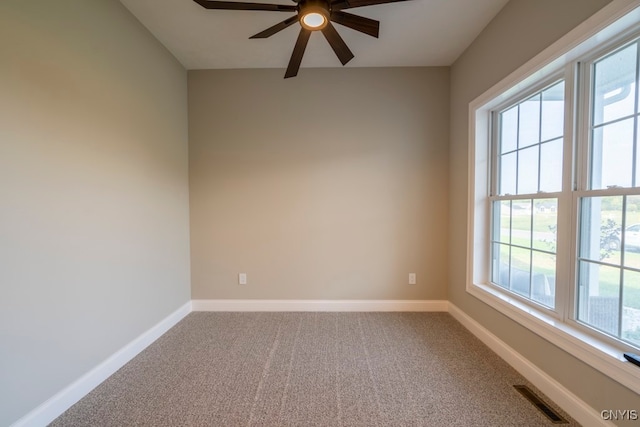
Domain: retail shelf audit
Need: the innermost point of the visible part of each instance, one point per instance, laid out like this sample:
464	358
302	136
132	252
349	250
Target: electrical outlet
242	278
412	278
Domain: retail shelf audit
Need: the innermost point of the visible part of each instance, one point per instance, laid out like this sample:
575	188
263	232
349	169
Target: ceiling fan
313	15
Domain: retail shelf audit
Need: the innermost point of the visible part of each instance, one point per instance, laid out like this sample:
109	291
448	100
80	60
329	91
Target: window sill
598	354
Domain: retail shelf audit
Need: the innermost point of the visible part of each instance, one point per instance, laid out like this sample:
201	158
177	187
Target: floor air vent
538	403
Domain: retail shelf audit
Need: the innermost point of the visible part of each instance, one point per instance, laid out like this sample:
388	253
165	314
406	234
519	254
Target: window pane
509	130
503	211
508	173
613	95
612	155
501	259
520	261
599	296
528	170
631	249
636	183
545	223
551	166
529	129
552	112
521	223
631	307
600	222
632	233
495	263
544	278
637	87
520	270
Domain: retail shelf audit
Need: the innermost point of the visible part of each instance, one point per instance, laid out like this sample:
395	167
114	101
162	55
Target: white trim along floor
63	400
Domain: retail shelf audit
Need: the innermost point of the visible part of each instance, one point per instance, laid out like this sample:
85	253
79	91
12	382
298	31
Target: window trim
612	24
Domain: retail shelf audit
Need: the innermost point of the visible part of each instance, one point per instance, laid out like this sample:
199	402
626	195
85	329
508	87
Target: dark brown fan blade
278	27
337	44
298	52
233	5
348	4
358	23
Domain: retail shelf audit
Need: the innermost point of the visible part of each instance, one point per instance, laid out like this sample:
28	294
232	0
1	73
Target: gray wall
332	185
94	232
520	31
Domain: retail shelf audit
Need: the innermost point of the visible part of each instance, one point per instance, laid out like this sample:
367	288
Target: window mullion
635	119
579	132
622	263
518	151
539	145
533	196
584	167
565	248
584	119
494	156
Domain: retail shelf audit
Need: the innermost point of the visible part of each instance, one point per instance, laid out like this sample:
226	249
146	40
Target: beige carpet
311	369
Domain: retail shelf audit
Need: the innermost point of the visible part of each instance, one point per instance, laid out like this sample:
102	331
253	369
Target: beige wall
94	242
520	31
331	185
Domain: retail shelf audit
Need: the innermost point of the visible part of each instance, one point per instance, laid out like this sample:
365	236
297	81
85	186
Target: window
527	154
608	291
554	220
527	161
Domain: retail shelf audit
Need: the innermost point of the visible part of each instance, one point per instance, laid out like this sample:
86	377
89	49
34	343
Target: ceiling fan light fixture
313	14
314	21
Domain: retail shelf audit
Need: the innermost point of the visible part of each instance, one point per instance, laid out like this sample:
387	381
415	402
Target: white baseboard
63	400
574	406
67	397
319	305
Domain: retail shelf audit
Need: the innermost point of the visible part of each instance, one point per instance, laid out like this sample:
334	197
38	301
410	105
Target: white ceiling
412	33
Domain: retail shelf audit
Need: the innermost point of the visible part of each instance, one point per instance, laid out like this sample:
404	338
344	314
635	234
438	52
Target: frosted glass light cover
313	20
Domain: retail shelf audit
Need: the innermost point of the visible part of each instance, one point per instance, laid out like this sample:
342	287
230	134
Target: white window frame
609	26
561	196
